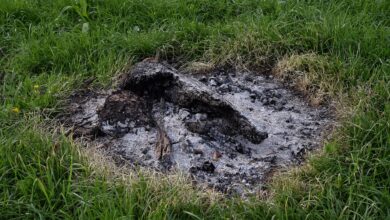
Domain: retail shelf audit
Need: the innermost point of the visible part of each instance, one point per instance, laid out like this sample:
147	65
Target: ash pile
228	129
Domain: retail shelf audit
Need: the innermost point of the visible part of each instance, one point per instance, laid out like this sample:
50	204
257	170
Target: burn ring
227	130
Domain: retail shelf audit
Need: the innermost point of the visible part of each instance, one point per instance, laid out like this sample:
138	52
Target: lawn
334	52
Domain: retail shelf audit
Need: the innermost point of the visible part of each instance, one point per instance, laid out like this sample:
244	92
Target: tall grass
45	52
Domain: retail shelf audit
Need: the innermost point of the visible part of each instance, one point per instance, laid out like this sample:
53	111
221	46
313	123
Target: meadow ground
329	50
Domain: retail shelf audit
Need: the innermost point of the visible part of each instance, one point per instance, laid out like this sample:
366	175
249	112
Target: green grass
47	48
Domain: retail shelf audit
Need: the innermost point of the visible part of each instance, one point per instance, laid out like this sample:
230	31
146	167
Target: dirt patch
226	129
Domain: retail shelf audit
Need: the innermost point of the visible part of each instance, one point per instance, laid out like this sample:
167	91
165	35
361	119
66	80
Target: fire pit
227	129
